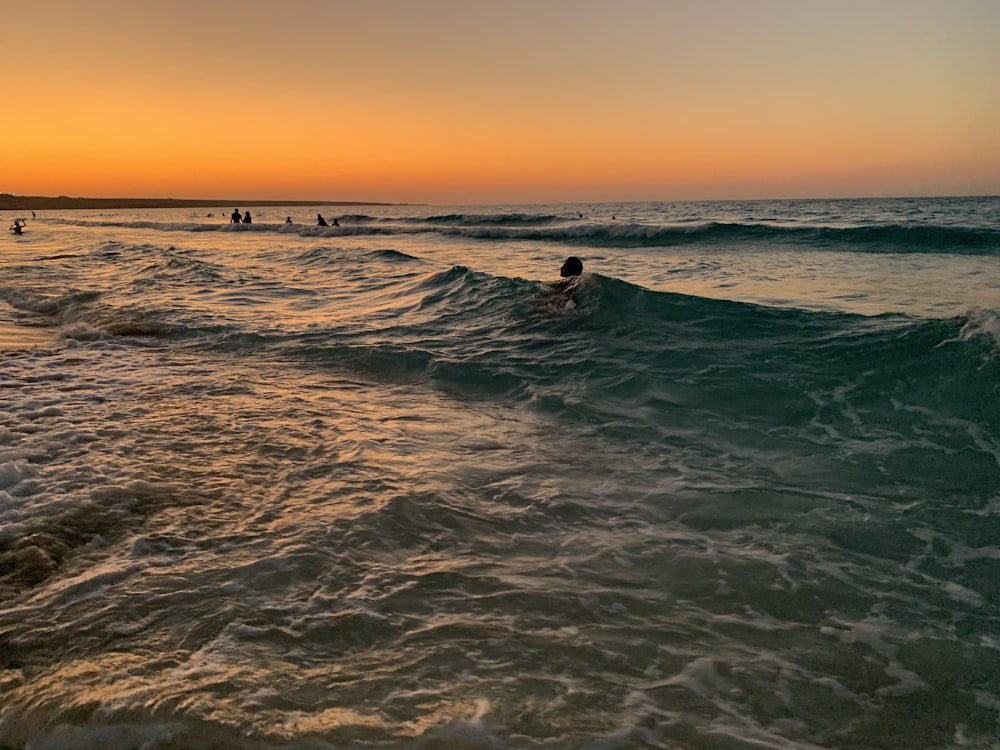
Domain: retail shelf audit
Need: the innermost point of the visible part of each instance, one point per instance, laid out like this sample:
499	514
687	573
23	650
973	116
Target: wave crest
896	238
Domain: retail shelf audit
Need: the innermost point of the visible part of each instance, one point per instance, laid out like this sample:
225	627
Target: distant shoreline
40	203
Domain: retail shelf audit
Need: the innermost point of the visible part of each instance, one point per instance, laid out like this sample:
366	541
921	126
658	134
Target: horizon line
18	202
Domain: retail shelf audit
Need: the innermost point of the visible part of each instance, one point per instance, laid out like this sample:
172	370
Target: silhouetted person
573	266
336	223
288	220
247	218
17	227
32	214
235	218
320	221
570	272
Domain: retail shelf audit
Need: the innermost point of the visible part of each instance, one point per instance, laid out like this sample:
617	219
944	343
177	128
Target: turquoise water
379	485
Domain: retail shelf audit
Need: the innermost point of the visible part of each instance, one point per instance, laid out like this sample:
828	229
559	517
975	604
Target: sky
521	101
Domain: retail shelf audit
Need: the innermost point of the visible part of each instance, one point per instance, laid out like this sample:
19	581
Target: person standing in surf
235	218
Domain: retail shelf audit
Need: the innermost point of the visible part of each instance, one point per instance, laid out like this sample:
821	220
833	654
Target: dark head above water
572	267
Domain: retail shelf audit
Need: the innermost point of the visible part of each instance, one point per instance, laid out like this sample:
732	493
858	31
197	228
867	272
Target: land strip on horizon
10	202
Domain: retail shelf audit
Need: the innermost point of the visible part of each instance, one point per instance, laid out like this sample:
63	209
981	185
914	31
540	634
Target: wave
607	343
886	238
322	255
514	219
615	348
86	316
894	238
29	301
457	219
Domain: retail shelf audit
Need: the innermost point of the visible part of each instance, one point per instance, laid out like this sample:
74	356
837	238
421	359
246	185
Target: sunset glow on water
382	485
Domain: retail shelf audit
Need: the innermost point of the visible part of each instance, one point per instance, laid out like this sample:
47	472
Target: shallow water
378	486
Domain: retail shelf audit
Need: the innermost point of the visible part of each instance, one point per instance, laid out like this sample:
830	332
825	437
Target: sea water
382	485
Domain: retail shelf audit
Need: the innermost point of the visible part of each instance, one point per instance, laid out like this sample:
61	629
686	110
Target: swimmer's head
572	267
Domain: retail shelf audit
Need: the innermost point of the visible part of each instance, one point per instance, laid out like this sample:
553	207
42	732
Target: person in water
17	227
247	218
570	272
288	219
336	223
572	267
235	217
320	221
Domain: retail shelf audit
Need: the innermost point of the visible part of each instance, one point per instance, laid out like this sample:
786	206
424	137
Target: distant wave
896	238
301	230
516	219
887	238
459	219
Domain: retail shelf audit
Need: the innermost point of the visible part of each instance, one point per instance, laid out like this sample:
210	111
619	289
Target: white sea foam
981	322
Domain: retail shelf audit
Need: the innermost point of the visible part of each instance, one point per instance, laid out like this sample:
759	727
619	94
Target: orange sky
441	101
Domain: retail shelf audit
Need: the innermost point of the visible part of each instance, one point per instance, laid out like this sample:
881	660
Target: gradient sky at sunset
441	101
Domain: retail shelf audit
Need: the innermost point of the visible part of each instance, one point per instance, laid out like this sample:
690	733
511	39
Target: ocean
385	485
